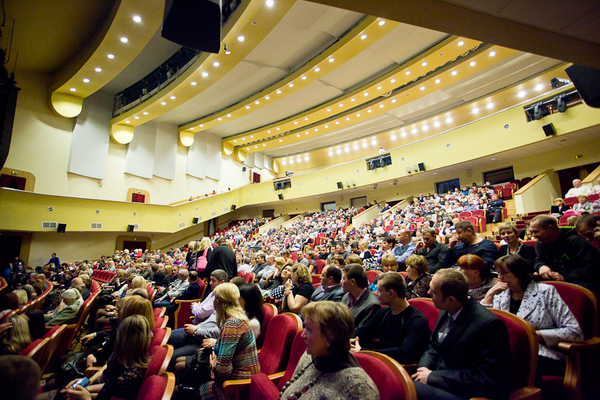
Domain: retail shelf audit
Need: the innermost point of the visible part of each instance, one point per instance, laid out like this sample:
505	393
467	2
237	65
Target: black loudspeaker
130	228
280	196
421	166
340	185
587	83
194	221
8	102
233	206
549	129
61	228
243	169
193	23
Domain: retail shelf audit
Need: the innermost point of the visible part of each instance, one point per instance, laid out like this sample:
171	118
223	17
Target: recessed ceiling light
366	93
234	141
229	115
269	131
326	126
298	135
472	63
415	131
85	80
448	120
163	103
306	158
127	121
382	22
145	113
275	129
369	110
338	151
278	92
539	87
256	147
111	56
317	69
306	133
283	162
353	99
201	125
407	73
216	64
476	111
355	147
490	106
247	148
330	153
437	81
191	129
425	128
374	142
331	59
341	105
454	72
173	97
381	106
492	53
461	43
363	37
423	88
205	74
269	3
347	118
280	140
257	102
241	38
98	69
379	87
291	85
306	118
124	39
73	89
136	117
358	115
347	149
393	80
304	77
329	110
337	122
393	137
243	138
436	124
193	83
247	107
403	134
365	145
316	129
521	94
264	144
393	100
219	119
137	18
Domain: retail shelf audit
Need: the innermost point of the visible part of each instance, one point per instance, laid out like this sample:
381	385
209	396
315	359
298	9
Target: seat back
298	348
320	265
464	214
372	275
569	201
249	277
184	310
160	336
157	387
582	303
524	347
270	312
55	335
161	357
274	354
428	309
37	350
391	378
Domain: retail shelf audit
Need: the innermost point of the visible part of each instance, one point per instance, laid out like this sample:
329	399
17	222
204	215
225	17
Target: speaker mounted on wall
130	228
340	185
421	166
193	23
549	129
61	228
195	220
280	196
233	207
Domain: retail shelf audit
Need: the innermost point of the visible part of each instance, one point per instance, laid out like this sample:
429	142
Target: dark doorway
138	198
255	177
269	213
13	182
10	247
131	245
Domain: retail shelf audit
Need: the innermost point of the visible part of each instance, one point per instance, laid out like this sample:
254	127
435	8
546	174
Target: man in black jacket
494	210
222	257
433	251
469	352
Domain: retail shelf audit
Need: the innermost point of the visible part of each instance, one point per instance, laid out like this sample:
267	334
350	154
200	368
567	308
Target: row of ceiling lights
204	74
110	56
393	136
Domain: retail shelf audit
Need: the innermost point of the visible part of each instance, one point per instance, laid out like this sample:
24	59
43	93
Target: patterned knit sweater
349	383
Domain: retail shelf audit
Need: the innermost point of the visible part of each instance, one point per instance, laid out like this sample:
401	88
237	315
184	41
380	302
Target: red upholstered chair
241	273
320	265
270	312
262	386
428	309
392	380
37	350
593	197
464	214
273	357
316	280
160	336
184	312
403	273
524	347
249	277
562	221
161	356
570	201
159	312
157	387
372	275
294	256
525	181
508	191
530	242
475	222
55	336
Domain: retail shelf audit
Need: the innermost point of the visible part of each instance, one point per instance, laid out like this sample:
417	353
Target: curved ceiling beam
128	31
254	22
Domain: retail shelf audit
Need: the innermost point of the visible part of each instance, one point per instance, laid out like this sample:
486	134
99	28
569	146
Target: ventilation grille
182	224
49	225
213	214
96	225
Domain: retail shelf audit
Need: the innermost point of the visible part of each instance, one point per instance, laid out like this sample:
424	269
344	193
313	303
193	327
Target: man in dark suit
222	257
469	353
331	287
433	251
362	302
190	293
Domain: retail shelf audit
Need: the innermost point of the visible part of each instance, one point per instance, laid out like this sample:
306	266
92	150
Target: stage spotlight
561	103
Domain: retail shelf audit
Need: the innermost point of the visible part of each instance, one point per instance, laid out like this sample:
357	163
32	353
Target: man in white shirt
203	310
596	188
577	189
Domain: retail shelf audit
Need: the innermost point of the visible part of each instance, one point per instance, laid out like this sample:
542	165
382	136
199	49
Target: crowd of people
421	251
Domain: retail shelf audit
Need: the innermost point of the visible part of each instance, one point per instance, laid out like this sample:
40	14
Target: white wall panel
259	160
140	152
249	161
196	158
268	163
165	151
213	157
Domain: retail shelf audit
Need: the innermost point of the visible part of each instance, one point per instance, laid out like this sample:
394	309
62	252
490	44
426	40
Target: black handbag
72	366
197	374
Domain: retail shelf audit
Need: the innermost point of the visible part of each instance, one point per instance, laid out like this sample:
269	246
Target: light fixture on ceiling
227	51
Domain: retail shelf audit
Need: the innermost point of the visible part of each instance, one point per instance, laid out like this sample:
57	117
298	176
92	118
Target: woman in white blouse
541	306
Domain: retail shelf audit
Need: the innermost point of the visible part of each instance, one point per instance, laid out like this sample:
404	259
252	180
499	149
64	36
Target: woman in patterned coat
235	355
541	306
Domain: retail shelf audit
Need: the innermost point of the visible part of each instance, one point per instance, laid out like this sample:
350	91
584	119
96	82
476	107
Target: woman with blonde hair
235	356
202	256
126	367
17	337
274	279
21	295
298	290
418	277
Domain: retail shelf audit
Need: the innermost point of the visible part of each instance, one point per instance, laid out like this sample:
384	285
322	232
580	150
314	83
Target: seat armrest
232	386
525	393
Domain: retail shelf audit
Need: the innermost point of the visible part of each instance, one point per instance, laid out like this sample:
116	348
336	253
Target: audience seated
331	285
559	207
510	234
578	189
402	330
67	309
588	227
362	302
478	275
14	335
434	251
467	242
298	290
418	277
